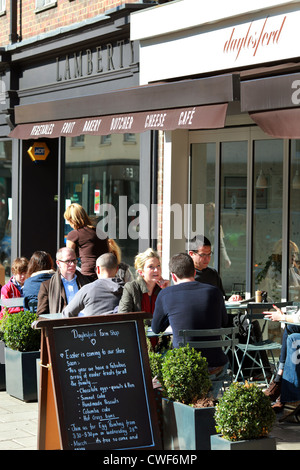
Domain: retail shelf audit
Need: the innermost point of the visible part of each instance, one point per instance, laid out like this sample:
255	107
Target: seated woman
14	287
40	269
290	387
140	294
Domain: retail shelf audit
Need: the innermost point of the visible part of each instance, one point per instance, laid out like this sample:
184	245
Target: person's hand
163	283
274	316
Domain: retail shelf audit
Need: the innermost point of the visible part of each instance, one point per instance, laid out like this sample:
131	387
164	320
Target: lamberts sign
197	117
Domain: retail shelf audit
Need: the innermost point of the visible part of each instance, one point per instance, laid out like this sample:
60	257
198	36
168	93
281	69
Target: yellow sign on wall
38	151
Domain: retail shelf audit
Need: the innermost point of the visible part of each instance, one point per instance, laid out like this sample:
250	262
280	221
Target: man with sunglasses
56	293
200	251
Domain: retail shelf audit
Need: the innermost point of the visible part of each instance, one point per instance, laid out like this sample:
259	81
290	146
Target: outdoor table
254	311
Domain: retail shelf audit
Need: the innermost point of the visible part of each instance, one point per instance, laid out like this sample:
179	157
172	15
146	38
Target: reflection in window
5	206
267	220
129	137
107	174
294	255
105	139
78	141
233	216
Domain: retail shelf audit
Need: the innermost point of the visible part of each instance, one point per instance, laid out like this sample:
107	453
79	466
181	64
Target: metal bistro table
256	349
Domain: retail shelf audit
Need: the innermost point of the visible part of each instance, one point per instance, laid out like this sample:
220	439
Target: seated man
190	305
200	251
56	293
101	296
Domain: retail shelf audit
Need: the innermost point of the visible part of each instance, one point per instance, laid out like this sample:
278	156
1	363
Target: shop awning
280	123
197	117
187	104
274	104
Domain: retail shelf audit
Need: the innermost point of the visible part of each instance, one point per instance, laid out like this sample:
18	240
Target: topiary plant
185	376
244	412
18	333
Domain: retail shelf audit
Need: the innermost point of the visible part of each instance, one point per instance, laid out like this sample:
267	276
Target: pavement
19	425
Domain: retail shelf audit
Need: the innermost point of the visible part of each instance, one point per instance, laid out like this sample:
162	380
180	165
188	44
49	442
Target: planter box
2	366
265	443
20	374
187	428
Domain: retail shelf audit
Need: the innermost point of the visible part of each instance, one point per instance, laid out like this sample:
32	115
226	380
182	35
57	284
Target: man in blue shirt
55	293
190	304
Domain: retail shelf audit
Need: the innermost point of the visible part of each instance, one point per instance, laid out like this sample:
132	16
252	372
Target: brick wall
66	12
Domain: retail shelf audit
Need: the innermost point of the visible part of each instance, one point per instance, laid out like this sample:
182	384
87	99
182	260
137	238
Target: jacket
52	296
131	300
97	298
10	291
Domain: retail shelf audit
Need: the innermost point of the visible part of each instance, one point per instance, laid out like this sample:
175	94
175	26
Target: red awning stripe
198	117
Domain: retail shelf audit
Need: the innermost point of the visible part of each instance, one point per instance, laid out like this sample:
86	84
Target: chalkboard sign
101	384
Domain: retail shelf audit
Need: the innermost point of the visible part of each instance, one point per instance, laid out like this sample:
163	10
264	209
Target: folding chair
213	338
258	350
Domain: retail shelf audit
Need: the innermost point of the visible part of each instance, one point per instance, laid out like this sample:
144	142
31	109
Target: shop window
267	217
106	176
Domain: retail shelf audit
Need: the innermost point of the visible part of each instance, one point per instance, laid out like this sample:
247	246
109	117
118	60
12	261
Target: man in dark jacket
190	305
55	293
200	251
101	296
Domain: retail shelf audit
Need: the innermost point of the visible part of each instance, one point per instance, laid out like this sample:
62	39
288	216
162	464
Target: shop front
57	76
239	183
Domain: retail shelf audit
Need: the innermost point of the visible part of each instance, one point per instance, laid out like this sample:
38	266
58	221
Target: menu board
102	383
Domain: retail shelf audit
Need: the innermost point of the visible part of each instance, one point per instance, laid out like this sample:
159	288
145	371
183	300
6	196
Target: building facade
60	60
236	182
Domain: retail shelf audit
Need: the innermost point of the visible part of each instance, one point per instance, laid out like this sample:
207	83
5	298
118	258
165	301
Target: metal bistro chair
258	350
213	338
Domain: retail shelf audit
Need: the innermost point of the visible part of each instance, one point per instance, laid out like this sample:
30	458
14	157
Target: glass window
108	176
203	167
267	217
233	216
5	206
294	255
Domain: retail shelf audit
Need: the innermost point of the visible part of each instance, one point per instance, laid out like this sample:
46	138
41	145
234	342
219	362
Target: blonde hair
115	249
76	215
20	265
141	258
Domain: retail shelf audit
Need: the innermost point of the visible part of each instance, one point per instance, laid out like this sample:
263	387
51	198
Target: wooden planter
2	366
265	443
20	374
185	427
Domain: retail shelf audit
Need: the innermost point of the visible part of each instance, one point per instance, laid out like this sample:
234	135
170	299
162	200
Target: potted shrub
188	410
2	358
244	417
22	344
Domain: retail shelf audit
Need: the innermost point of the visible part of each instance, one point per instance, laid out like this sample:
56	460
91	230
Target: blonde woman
123	271
140	294
84	240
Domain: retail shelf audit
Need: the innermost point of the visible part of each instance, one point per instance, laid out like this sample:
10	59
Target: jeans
290	387
217	380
